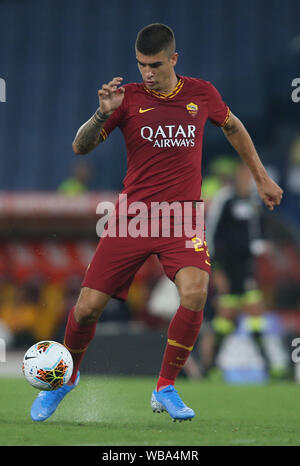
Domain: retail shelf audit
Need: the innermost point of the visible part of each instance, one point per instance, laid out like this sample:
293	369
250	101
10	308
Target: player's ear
174	58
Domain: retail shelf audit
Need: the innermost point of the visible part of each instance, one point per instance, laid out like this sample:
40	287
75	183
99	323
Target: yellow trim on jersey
172	94
103	133
179	345
227	118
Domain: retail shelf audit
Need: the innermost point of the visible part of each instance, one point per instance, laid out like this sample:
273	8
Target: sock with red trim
77	339
182	335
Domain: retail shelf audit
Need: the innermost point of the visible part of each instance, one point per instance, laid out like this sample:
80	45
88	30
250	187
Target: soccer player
162	120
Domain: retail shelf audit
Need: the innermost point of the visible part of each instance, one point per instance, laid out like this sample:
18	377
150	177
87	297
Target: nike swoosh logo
29	357
180	359
146	109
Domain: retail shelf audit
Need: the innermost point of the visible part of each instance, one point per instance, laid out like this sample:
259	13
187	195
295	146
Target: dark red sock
182	335
77	338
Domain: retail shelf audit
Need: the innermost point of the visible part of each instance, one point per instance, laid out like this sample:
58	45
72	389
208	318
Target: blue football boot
168	400
46	402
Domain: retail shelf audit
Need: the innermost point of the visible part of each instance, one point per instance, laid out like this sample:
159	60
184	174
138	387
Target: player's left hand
270	192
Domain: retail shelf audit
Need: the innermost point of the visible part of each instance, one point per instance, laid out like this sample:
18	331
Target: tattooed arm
88	136
240	140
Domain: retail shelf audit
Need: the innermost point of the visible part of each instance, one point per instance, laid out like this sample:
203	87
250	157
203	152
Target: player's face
157	70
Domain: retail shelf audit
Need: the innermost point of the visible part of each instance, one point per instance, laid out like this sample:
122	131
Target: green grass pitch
116	411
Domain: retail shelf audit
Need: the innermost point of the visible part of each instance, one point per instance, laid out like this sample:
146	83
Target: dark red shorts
117	259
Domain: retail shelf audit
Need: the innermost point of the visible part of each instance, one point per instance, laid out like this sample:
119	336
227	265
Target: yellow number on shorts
197	244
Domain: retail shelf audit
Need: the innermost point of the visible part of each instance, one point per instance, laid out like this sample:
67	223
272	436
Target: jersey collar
172	94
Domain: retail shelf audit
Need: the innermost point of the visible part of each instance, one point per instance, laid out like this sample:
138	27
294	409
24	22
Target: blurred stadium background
54	56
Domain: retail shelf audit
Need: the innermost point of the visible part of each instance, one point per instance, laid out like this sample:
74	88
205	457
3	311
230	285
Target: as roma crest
192	108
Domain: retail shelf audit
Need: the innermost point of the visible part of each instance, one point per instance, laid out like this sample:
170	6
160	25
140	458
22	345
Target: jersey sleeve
218	111
114	120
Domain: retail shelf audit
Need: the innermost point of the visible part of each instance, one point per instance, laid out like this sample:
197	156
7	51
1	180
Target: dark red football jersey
163	136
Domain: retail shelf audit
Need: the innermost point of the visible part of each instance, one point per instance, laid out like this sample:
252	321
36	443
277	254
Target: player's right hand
269	192
111	96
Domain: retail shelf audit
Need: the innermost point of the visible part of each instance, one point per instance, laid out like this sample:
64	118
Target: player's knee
86	313
193	296
90	306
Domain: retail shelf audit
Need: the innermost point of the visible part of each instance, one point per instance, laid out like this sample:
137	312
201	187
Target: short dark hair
154	38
